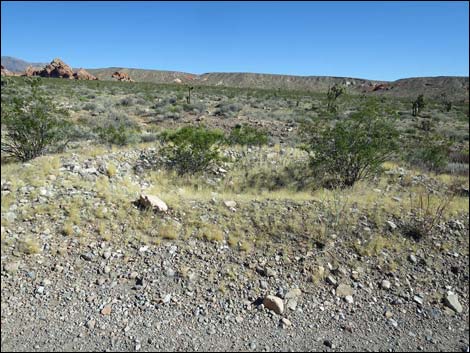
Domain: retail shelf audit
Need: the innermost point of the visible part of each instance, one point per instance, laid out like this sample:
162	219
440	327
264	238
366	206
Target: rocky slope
97	293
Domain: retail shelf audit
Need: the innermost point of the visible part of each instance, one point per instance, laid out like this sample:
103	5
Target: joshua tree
188	98
418	105
332	95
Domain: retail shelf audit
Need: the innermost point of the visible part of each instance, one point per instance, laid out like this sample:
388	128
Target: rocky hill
456	88
18	65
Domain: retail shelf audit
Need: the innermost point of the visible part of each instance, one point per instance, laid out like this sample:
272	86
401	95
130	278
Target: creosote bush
247	135
352	149
191	149
33	124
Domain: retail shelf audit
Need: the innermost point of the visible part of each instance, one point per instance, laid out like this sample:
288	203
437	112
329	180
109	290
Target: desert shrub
191	149
117	129
429	153
352	149
126	101
227	110
196	108
425	214
247	135
33	124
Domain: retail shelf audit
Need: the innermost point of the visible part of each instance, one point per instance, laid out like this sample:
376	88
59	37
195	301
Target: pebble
106	310
385	284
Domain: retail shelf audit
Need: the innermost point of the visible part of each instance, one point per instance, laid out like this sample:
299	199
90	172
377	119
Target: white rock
392	225
452	302
152	201
230	204
385	284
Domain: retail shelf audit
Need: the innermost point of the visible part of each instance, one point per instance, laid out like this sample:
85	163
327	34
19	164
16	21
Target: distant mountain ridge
455	87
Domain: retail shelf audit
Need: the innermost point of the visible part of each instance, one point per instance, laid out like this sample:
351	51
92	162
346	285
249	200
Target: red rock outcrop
6	72
57	68
82	74
122	76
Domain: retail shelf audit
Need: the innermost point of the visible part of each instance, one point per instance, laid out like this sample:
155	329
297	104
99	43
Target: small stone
133	275
418	300
285	322
452	301
385	284
329	344
106	310
87	256
331	280
230	204
349	299
46	282
107	269
292	304
412	258
274	303
106	255
388	314
343	290
166	299
293	293
263	284
91	324
40	290
391	225
11	267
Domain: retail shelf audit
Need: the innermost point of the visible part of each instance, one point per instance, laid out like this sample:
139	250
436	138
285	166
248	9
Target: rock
230	204
106	310
292	304
329	344
166	299
263	284
87	256
391	225
418	300
293	293
57	68
331	280
152	201
285	322
385	284
122	76
344	290
452	301
82	74
274	303
91	324
388	314
11	267
349	299
412	258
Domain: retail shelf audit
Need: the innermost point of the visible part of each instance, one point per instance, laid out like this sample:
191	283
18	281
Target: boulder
274	303
122	76
82	74
57	68
152	201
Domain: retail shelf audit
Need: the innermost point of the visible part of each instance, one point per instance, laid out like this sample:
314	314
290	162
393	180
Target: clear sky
374	40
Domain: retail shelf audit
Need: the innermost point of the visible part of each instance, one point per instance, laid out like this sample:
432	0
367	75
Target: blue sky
374	40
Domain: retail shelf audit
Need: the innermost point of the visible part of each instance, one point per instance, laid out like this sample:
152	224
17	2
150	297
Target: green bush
247	135
116	128
353	148
191	149
33	124
431	153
